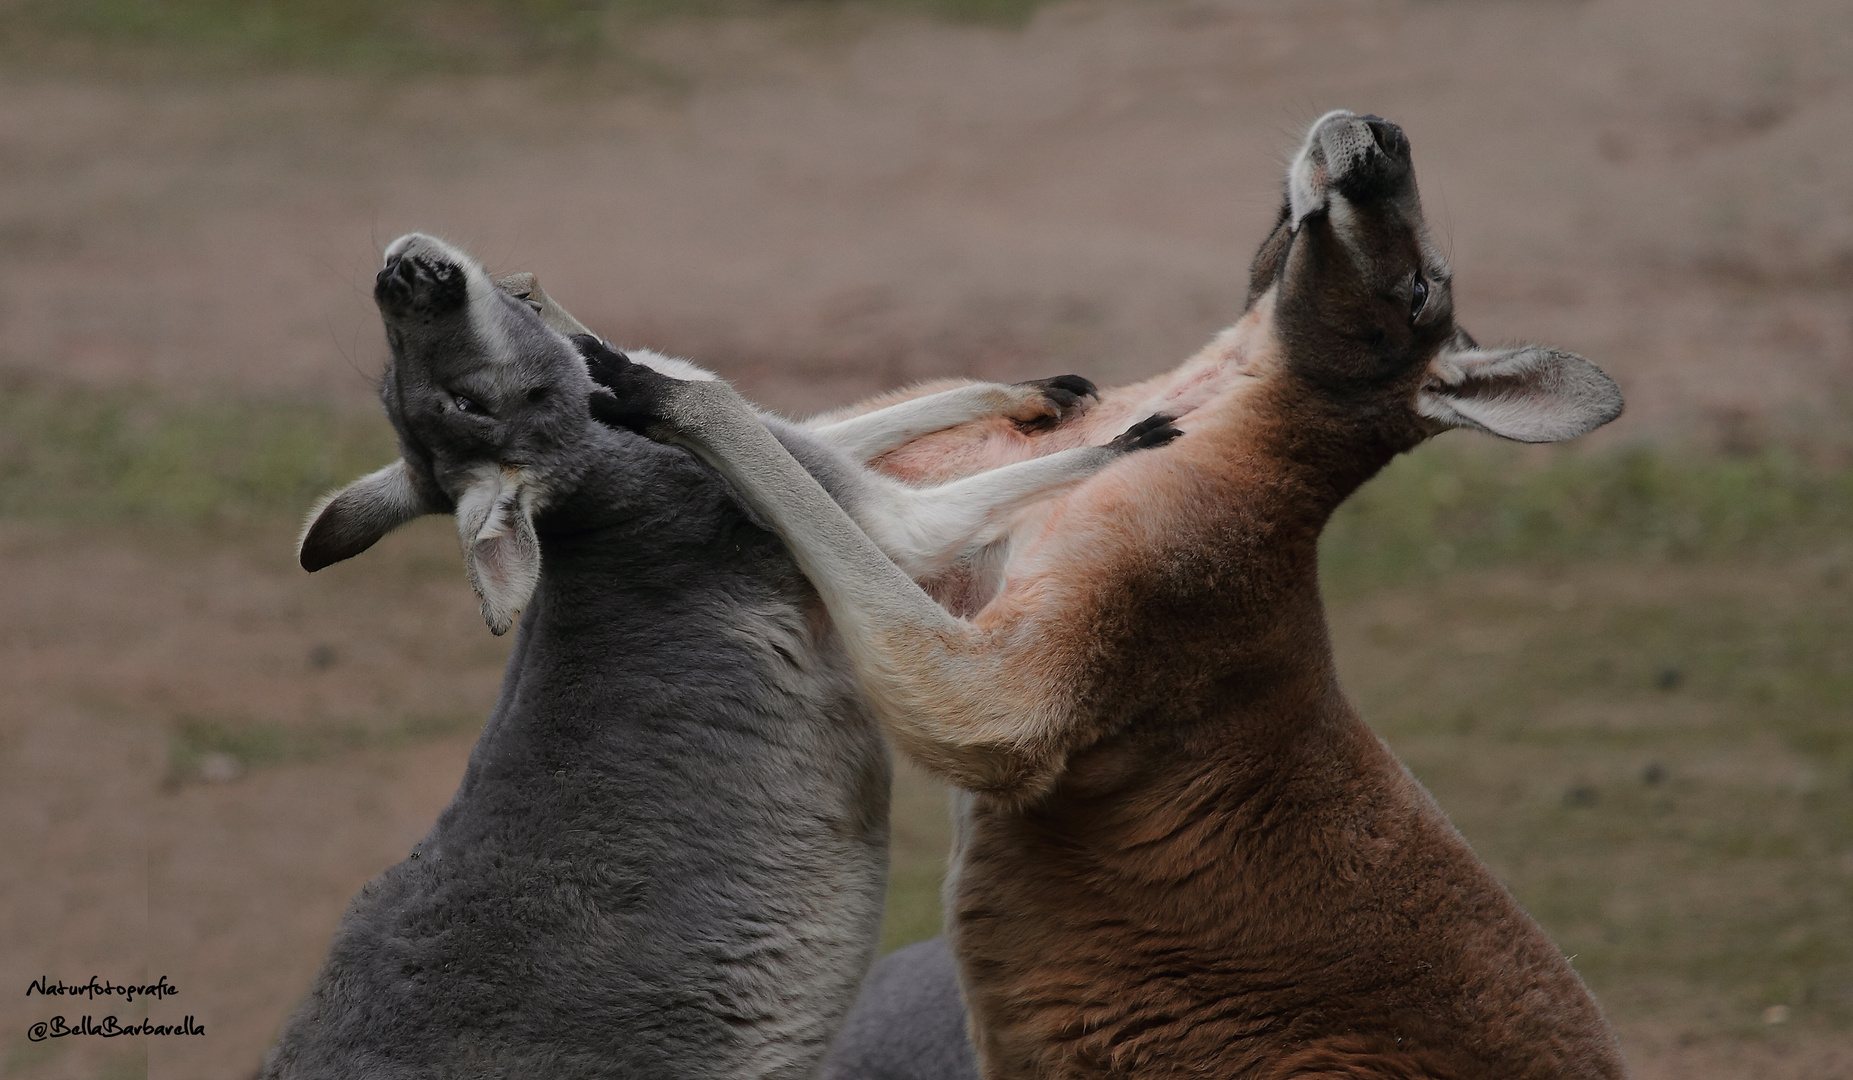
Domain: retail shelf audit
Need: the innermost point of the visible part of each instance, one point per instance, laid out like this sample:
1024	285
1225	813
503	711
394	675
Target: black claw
607	365
1073	384
1147	433
1065	391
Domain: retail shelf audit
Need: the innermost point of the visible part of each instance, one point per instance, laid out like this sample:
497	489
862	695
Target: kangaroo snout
420	277
1363	158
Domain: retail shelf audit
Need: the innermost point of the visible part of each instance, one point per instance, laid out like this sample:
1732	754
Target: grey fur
908	1024
668	853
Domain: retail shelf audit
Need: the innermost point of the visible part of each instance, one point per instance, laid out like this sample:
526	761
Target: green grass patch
917	857
221	748
1657	759
110	456
1446	507
418	35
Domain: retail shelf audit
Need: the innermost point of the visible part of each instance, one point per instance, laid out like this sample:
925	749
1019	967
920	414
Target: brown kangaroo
1182	853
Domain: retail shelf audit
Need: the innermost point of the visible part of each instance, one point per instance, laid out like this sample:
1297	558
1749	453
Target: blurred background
1625	667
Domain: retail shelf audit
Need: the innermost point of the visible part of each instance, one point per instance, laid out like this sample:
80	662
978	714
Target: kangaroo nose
400	267
1388	137
409	282
393	284
1366	157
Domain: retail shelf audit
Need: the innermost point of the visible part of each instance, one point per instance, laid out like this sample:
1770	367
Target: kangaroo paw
1051	401
632	395
1147	433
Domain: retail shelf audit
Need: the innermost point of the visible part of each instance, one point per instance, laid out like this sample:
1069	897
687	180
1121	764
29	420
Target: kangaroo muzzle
1362	158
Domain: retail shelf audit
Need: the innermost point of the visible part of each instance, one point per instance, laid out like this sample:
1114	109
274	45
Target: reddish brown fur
1233	874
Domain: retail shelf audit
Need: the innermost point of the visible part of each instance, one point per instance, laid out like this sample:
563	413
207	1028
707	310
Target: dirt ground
820	209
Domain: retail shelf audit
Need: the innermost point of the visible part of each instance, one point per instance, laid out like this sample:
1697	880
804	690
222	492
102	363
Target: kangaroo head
1363	306
490	407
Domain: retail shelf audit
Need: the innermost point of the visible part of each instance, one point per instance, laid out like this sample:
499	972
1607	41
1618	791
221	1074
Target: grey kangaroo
668	853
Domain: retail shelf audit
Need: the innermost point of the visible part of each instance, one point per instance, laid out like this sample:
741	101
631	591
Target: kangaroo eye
468	405
1418	296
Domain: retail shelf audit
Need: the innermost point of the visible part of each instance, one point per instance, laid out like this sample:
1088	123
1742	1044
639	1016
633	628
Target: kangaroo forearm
873	434
842	562
897	396
927	530
1008	488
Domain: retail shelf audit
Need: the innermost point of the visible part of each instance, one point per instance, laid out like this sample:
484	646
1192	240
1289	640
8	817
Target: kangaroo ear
495	522
1531	394
353	519
526	287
